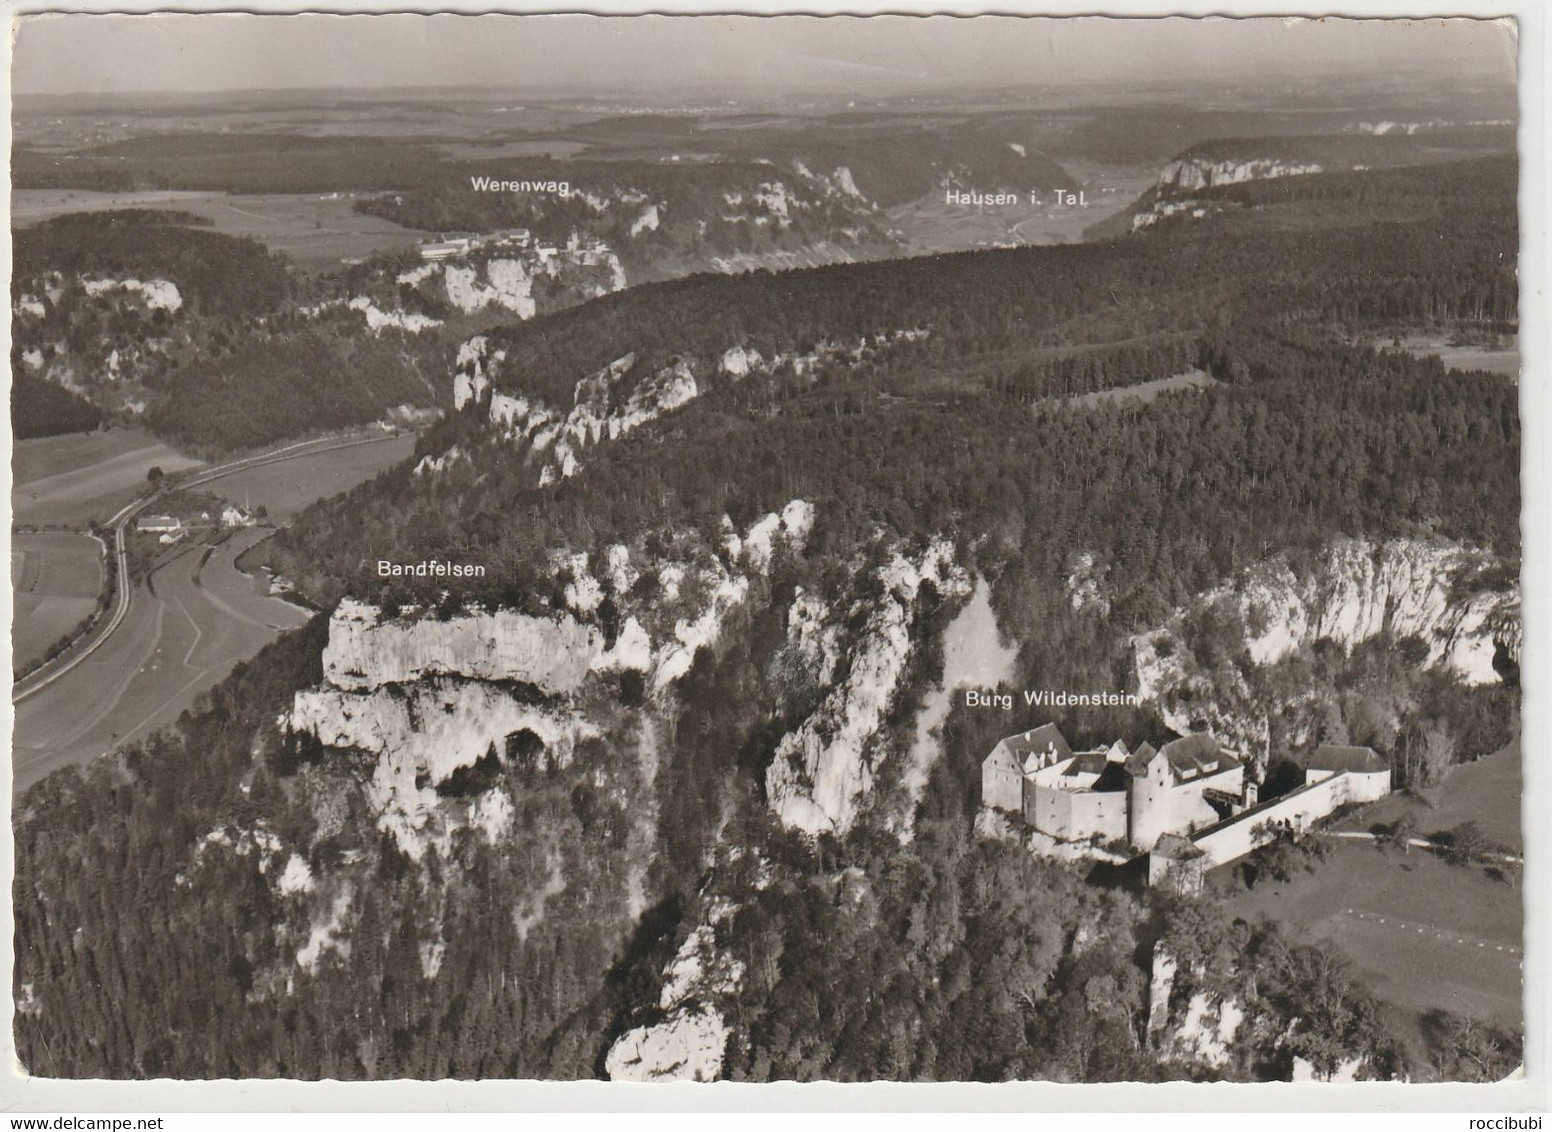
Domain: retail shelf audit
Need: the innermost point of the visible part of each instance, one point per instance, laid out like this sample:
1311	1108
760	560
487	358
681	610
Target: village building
159	524
446	249
234	516
1367	772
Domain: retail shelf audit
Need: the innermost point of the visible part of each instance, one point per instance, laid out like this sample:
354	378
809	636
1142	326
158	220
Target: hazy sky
876	55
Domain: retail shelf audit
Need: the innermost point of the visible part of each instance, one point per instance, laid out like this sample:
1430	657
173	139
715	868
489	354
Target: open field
69	481
315	231
285	488
184	632
55	580
1146	391
185	629
1423	934
1486	792
1462	358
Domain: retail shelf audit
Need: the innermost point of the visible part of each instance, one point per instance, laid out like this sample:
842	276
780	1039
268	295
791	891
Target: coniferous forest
943	955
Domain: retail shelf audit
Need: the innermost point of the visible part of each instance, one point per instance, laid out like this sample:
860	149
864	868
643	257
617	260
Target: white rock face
974	656
421	735
646	222
426	697
601	410
1357	590
157	294
823	771
739	361
365	652
689	1044
1206	1033
845	183
297	878
507	285
378	319
1195	173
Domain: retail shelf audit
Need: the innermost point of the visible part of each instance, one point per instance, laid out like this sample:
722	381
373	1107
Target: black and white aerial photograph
728	548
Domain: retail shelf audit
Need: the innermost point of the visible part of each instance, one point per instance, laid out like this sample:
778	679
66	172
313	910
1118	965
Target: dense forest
231	365
41	408
150	878
994	306
214	274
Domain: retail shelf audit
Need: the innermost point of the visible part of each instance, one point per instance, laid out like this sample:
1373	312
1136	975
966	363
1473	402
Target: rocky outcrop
823	771
157	294
1429	591
621	397
1172	194
366	650
422	697
507	285
1192	174
690	1041
605	406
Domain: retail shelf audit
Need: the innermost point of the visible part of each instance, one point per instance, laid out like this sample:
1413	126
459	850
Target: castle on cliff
1189	804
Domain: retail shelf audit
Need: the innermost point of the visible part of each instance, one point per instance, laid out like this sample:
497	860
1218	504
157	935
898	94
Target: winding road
167	639
35	682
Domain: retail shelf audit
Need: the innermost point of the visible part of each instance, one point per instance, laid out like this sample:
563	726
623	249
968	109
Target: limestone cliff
621	397
690	1041
1431	591
823	771
420	697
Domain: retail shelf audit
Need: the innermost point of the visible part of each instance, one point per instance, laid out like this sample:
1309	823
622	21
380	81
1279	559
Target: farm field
55	579
1423	934
69	481
316	231
286	487
195	620
197	617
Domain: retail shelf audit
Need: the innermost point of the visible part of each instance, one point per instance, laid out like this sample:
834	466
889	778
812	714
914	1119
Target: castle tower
1148	790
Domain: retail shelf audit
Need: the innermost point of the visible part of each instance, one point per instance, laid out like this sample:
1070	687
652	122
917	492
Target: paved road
119	523
168	638
189	624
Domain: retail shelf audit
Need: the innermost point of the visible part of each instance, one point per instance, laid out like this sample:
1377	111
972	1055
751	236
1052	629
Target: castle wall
1002	782
1076	815
1301	808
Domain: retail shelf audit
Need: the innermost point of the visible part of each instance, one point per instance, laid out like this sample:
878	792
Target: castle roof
1137	762
1359	760
1191	756
1173	847
1089	762
1037	742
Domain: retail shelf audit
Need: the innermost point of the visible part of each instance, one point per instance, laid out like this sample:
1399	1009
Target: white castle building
1189	804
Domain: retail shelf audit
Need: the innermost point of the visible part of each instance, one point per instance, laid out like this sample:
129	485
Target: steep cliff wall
824	770
1430	591
622	396
1191	174
424	697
